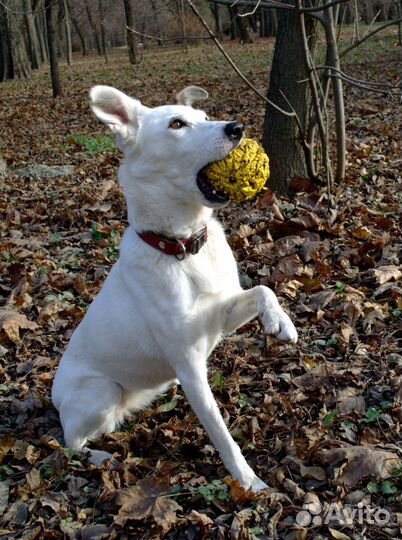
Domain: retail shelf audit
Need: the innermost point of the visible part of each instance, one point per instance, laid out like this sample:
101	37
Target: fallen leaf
360	462
147	500
316	473
383	274
349	400
12	321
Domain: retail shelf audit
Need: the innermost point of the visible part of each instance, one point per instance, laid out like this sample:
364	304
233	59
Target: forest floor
320	421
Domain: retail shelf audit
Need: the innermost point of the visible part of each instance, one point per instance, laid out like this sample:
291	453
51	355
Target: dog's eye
177	124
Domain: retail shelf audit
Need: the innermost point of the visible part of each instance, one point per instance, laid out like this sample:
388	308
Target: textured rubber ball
241	174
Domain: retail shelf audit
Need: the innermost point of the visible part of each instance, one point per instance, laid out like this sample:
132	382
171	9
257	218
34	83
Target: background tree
14	59
64	8
52	46
32	35
288	89
131	38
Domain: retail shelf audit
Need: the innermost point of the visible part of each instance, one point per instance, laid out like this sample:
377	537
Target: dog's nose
234	130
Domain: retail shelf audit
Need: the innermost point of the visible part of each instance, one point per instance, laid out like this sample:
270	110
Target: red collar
173	246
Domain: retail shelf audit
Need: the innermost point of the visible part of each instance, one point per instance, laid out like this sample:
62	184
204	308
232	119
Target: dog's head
169	144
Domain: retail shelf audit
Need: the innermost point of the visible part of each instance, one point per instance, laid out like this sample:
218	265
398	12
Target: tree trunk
67	26
288	79
51	41
242	26
215	8
160	30
234	28
94	29
80	35
332	60
131	38
180	9
268	22
103	30
5	53
14	59
33	40
40	24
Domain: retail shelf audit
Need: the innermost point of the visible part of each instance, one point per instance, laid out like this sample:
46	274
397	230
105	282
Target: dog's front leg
260	300
193	378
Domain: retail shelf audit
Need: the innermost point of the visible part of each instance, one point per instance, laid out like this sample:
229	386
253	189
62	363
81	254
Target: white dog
174	292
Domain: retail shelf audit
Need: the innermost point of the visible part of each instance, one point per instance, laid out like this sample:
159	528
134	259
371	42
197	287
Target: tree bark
180	9
332	59
103	30
268	22
94	29
160	30
33	40
67	26
5	53
52	46
80	35
288	85
216	12
14	59
241	23
131	38
234	28
40	24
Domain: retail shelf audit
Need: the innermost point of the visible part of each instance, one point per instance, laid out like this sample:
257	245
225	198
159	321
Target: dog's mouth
208	190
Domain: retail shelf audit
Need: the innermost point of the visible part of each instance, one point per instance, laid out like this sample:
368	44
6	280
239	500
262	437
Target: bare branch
279	5
367	36
323	7
252	11
388	89
158	38
320	114
232	63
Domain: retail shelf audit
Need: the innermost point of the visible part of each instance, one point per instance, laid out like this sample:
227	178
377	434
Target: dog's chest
213	270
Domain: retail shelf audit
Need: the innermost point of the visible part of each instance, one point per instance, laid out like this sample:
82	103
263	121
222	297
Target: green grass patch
94	144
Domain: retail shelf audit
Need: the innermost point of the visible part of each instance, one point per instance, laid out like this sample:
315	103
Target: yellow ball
242	173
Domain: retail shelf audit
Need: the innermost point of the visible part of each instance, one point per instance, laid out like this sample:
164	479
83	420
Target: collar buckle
197	240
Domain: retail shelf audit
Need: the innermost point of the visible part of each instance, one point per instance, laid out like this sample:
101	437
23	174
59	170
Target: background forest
319	421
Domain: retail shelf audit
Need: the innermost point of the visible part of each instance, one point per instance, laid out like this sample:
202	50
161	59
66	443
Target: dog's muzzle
234	132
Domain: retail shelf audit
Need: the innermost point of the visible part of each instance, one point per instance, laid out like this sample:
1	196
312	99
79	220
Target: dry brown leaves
320	421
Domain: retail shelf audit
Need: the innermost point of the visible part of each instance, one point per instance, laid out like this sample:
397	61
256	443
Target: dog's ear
117	110
188	95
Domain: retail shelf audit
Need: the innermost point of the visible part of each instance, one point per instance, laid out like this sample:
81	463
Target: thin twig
322	125
367	36
232	63
372	22
250	12
353	79
157	38
389	89
279	5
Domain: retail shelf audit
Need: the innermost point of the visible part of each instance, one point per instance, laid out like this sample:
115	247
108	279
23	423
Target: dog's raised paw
277	323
